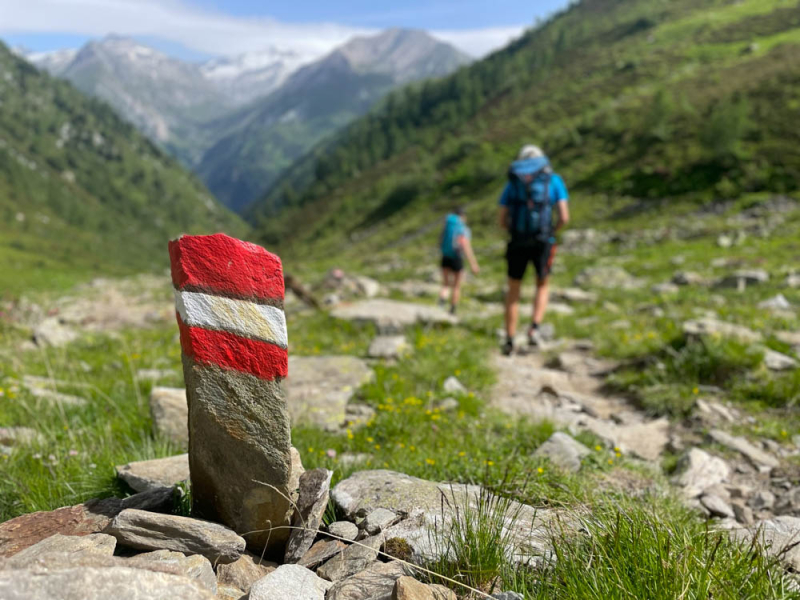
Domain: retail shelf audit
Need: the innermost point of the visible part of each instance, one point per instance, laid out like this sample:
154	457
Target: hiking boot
508	347
535	338
453	309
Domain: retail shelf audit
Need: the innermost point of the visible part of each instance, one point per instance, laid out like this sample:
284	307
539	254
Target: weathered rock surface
290	582
311	504
710	326
607	277
97	583
95	543
776	303
392	316
52	332
688	278
234	343
319	387
19	436
353	559
150	531
170	414
716	506
582	364
744	278
344	529
147	475
322	551
776	361
243	573
665	289
388	346
420	504
375	583
563	451
378	520
452	385
195	567
755	455
699	470
408	588
573	295
780	537
84	519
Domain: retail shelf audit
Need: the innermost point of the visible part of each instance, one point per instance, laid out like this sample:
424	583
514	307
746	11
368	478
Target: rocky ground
668	376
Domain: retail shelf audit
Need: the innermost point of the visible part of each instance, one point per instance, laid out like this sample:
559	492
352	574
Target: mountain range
81	189
239	121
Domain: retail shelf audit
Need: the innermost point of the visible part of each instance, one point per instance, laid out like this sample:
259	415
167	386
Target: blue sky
197	29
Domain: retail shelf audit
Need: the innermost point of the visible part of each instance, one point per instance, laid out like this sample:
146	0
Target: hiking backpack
530	212
449	238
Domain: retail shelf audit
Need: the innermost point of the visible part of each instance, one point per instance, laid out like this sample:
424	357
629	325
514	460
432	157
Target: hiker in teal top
455	244
531	196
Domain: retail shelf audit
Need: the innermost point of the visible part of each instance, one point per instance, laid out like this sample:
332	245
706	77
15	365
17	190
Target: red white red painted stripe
226	296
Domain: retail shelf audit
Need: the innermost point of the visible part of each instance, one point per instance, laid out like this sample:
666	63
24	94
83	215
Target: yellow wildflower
462	454
430	461
540	470
489	463
370	440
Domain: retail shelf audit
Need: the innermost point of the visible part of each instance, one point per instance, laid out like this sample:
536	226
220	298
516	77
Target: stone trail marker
229	300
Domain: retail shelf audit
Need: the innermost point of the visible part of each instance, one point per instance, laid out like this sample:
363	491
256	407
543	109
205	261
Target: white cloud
203	30
480	42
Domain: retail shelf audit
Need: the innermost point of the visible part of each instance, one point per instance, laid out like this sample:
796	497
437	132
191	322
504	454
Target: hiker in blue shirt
455	244
533	193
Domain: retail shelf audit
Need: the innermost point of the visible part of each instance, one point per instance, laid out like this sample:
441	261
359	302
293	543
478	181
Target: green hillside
81	192
685	100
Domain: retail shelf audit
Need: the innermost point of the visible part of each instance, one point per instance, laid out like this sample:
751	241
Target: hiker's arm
466	247
563	214
503	218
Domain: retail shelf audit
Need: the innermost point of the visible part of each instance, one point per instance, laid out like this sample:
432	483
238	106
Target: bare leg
443	295
457	278
540	300
512	307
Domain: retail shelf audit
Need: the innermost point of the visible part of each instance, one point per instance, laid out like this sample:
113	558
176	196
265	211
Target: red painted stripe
227	266
233	352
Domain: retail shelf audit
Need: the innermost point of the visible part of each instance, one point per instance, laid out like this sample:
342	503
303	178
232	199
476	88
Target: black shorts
453	263
541	254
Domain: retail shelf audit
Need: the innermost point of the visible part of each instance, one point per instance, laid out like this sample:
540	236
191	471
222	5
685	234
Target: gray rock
375	583
51	332
508	596
155	375
96	543
778	302
688	278
322	551
557	308
716	506
579	363
19	436
344	529
151	531
367	287
195	567
311	504
563	451
448	404
147	475
425	504
744	278
290	582
607	277
762	500
573	295
408	588
229	592
243	573
646	440
775	361
170	414
453	386
388	346
710	326
378	520
699	470
665	289
51	395
84	519
793	280
392	316
240	453
739	444
779	536
319	388
789	337
744	514
92	583
353	559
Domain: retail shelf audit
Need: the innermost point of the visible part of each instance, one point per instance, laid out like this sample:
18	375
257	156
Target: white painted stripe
240	317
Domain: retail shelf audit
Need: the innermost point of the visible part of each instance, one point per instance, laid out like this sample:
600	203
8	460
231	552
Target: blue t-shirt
558	191
453	229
